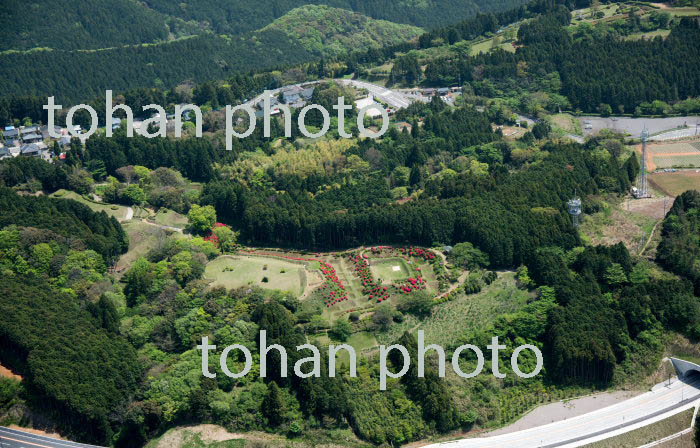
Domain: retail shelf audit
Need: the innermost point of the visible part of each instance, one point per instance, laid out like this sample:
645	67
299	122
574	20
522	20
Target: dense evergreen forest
53	259
679	250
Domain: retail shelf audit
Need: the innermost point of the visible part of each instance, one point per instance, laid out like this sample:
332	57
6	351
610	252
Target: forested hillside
327	31
235	17
198	40
78	24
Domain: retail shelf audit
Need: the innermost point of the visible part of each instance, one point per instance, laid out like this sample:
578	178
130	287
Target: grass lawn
142	238
647	434
487	45
118	211
676	183
239	271
390	270
166	217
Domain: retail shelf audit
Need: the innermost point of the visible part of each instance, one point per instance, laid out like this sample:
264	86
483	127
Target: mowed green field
171	218
676	183
239	271
390	270
118	211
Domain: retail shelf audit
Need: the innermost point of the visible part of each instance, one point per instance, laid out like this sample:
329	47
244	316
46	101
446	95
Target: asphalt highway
632	413
12	438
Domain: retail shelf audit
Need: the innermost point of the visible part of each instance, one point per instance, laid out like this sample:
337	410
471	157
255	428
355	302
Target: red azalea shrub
370	287
333	289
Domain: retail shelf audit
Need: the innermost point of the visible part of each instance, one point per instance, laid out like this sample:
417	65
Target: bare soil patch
7	373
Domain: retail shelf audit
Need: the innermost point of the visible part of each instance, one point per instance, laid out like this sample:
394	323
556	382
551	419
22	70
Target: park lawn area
142	238
239	271
118	211
451	321
390	270
676	183
166	217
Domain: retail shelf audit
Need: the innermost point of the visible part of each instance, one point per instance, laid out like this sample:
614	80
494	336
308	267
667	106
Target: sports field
271	273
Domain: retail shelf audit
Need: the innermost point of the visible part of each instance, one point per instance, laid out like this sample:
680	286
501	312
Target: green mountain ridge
328	31
104	24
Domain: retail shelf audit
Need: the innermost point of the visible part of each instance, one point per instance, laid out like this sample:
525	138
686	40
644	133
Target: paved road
12	438
393	98
632	413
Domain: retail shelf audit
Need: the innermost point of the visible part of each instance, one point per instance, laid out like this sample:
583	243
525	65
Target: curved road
630	414
12	438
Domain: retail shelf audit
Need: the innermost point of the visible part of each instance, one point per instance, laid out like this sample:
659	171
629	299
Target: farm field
672	155
676	183
239	271
676	161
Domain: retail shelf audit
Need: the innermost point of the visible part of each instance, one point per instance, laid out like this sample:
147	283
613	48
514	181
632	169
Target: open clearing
672	155
118	211
239	271
361	341
676	183
390	270
629	222
170	218
142	238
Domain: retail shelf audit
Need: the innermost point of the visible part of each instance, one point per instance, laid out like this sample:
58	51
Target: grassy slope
328	31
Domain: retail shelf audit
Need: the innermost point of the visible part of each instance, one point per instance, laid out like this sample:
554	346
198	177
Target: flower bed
370	287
